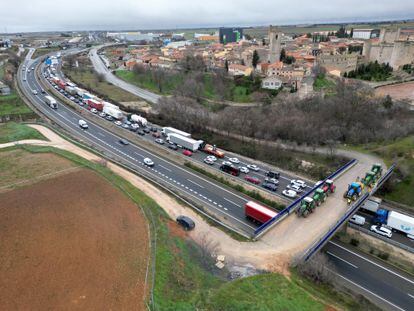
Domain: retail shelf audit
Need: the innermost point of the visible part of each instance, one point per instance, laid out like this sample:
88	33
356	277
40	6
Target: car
269	186
381	230
319	182
123	142
102	114
173	146
125	126
72	98
119	123
234	160
148	161
42	91
32	68
34	92
128	122
208	161
187	153
272	174
272	180
140	132
153	129
252	179
134	126
253	167
298	182
94	110
244	170
81	103
28	70
289	193
24	79
159	141
186	222
146	130
358	220
156	134
83	124
212	158
294	187
226	163
109	118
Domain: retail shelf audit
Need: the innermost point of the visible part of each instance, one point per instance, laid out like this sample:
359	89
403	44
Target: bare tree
158	76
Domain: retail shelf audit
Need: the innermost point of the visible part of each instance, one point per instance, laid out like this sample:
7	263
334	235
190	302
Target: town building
271	83
365	33
275	39
239	70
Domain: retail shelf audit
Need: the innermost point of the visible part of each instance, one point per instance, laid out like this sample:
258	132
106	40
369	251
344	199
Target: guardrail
316	246
291	207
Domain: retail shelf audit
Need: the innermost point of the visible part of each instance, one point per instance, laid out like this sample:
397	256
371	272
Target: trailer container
61	84
185	142
51	102
70	89
258	213
87	95
401	222
212	150
93	103
371	206
139	119
113	112
170	130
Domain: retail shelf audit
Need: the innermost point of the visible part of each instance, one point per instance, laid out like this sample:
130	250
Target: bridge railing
354	207
292	206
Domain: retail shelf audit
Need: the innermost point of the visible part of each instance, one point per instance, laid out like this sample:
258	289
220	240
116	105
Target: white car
102	114
289	193
381	230
244	170
234	160
253	167
208	161
148	162
94	110
272	181
298	182
34	92
83	124
212	158
294	187
119	123
357	219
226	163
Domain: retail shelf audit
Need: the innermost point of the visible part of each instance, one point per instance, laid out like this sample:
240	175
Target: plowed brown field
72	242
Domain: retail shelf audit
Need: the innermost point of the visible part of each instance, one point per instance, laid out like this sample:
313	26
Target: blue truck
396	221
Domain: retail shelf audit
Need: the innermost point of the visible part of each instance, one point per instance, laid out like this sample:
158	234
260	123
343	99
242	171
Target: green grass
44	51
13	104
16	131
240	94
89	80
183	283
400	151
323	83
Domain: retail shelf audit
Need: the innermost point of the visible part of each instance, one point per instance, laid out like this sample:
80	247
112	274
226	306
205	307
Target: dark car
173	146
269	186
271	174
153	129
123	142
186	222
140	132
146	130
156	134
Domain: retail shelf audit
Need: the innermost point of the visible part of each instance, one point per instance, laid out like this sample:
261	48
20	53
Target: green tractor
307	205
377	169
369	179
319	196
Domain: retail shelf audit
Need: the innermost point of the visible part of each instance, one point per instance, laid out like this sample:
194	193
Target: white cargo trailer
185	142
401	222
113	112
171	130
370	205
138	119
51	102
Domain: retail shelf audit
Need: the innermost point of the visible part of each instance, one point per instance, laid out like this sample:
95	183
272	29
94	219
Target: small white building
271	83
365	34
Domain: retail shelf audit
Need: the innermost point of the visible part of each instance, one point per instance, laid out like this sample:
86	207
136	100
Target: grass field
12	131
401	152
44	51
90	81
325	84
12	104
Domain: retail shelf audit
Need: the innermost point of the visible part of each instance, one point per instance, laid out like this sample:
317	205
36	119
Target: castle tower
275	39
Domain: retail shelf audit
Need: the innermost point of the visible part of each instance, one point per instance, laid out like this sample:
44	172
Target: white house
271	83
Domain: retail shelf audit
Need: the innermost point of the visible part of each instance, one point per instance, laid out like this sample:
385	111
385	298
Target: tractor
328	187
307	205
377	169
369	179
319	196
354	191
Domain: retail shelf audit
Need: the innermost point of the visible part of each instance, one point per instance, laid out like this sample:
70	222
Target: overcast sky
46	15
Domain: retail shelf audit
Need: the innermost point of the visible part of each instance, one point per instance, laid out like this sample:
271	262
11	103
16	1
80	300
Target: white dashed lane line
231	202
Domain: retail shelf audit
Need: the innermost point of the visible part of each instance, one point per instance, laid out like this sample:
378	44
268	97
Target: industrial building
228	35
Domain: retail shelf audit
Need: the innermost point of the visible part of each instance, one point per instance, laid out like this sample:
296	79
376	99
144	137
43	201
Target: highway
101	68
389	288
218	200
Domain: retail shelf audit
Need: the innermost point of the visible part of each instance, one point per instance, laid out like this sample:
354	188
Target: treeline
352	115
372	71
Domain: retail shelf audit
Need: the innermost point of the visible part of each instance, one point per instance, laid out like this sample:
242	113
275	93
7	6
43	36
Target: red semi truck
213	150
258	213
92	103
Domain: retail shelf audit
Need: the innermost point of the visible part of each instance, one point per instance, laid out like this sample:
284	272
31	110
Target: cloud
46	15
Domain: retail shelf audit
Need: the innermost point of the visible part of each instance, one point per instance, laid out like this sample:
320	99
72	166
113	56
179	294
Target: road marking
412	296
333	255
373	262
167	169
367	290
100	134
193	182
231	202
139	154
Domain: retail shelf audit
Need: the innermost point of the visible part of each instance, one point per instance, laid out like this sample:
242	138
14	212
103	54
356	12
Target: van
83	124
358	220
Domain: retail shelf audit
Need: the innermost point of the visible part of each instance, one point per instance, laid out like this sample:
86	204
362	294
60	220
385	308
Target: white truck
170	130
185	142
51	102
372	205
70	89
401	222
138	119
113	112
